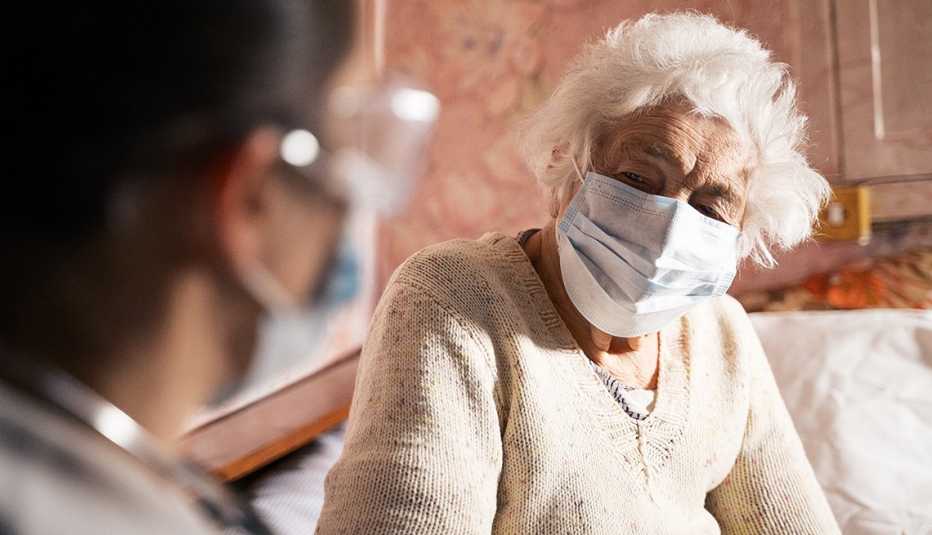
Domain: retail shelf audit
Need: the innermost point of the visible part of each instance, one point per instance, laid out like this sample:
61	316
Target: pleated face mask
633	262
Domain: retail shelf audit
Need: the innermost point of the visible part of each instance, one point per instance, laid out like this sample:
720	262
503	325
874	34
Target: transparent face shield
381	132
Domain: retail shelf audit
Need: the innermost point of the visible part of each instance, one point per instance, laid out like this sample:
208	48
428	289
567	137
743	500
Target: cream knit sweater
475	412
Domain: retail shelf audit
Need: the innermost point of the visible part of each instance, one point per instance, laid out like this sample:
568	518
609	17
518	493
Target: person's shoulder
724	314
722	328
51	462
458	266
729	309
441	292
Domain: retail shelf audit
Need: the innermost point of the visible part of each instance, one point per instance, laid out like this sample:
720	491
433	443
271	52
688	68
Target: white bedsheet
289	494
859	386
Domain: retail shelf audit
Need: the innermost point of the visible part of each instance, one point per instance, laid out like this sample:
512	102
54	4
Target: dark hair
105	92
105	96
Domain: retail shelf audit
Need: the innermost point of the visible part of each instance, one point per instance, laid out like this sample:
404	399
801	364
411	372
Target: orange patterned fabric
903	281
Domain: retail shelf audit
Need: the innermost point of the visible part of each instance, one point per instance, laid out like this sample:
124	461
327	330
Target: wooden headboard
257	434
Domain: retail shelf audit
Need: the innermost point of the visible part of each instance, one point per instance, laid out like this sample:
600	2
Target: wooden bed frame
249	438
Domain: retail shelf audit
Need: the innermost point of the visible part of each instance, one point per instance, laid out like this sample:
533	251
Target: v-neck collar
645	445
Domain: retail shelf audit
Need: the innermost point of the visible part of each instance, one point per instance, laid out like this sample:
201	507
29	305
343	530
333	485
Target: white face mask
633	262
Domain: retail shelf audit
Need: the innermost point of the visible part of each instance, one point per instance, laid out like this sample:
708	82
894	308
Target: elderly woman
591	376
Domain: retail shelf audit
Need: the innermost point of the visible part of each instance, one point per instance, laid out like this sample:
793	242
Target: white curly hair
719	70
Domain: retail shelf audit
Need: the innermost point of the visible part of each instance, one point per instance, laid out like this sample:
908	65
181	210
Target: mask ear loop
578	172
265	289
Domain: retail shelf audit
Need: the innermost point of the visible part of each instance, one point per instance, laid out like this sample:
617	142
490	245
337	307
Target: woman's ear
558	154
561	197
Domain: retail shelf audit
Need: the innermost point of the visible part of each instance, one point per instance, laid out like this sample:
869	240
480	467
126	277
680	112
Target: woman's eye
634	177
708	211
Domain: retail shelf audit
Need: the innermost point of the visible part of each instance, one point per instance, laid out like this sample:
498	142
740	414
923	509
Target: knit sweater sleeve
423	449
771	488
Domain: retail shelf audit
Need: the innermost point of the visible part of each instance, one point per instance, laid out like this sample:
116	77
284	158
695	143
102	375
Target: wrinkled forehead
694	143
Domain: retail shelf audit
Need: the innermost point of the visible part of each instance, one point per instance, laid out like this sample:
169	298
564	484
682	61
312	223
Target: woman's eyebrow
723	189
661	152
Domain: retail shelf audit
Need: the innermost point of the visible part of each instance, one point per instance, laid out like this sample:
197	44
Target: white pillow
859	387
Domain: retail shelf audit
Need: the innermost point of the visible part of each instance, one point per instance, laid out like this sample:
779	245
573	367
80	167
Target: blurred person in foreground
173	190
591	376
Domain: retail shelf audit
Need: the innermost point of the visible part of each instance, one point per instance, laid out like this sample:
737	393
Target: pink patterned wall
493	61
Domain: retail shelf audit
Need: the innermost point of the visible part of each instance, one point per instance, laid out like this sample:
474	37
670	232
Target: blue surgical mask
374	174
290	334
633	262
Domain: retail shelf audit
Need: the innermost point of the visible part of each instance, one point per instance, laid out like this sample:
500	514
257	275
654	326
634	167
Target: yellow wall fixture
847	216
